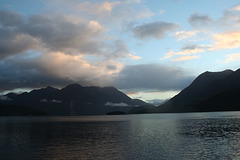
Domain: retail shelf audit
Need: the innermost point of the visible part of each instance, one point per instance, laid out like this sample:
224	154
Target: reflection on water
153	136
216	137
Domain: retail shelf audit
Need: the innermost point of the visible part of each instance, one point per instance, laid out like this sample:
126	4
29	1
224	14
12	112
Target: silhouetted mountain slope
75	100
197	90
225	101
206	94
32	96
14	110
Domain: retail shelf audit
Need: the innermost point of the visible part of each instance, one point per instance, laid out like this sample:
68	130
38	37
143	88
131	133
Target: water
213	135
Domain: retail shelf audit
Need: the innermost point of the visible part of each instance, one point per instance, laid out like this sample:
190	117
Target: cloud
77	68
58	49
162	11
57	33
117	49
116	104
226	40
151	77
223	37
41	50
41	32
34	70
232	57
112	13
187	50
132	1
194	46
50	101
157	30
181	35
58	69
230	16
197	19
10	19
156	102
65	66
220	34
12	42
102	8
21	73
184	58
133	56
197	36
236	8
120	14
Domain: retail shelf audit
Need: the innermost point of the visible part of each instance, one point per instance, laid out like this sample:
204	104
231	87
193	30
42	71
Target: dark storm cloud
12	42
156	30
25	76
58	33
197	19
10	19
22	73
54	33
152	76
36	51
18	72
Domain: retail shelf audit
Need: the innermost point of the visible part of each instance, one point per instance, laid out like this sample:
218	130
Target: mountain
74	99
14	110
142	109
224	101
210	91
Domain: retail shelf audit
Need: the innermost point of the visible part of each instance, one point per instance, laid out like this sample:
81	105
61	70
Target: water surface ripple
213	135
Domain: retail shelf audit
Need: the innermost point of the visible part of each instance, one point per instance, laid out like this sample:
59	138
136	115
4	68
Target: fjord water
214	135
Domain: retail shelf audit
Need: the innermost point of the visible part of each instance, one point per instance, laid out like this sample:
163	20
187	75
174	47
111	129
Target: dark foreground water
213	135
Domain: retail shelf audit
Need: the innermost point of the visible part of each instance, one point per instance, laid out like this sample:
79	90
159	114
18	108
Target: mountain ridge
205	86
210	91
205	93
74	99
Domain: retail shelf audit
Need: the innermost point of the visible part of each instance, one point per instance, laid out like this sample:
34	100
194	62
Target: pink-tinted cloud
187	50
184	58
232	57
226	40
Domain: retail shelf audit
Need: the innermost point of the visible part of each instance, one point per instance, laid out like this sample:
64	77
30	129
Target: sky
149	49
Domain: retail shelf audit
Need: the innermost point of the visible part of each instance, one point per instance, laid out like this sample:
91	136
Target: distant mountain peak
206	93
50	87
46	89
72	86
207	77
75	100
227	71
